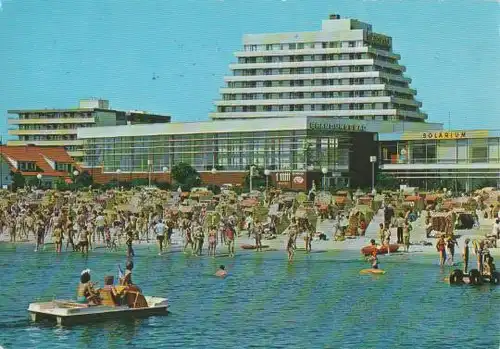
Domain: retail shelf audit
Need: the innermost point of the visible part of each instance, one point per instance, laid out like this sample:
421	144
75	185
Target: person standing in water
406	236
159	228
451	249
465	255
441	248
230	240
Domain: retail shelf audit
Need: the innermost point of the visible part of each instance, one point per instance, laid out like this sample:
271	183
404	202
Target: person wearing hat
86	294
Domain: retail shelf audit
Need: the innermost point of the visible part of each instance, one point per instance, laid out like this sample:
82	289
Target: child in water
374	260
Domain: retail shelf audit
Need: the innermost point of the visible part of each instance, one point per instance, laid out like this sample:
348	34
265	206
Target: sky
55	52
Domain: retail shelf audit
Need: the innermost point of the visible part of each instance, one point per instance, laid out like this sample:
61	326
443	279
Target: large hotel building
307	106
58	127
346	70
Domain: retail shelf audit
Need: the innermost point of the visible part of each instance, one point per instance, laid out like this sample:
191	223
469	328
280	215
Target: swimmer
221	272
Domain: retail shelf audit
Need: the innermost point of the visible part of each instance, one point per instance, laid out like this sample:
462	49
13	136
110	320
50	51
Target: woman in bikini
212	241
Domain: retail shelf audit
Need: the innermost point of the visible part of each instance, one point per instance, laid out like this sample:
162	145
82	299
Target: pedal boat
65	312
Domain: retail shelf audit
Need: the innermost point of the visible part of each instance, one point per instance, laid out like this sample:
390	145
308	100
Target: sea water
318	301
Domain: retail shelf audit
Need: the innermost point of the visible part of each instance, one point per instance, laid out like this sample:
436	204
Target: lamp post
251	176
39	176
373	160
267	173
75	174
324	170
150	163
118	171
214	172
165	169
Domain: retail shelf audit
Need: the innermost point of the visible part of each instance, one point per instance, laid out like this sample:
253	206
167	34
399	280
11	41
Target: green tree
83	179
258	180
61	184
185	176
18	180
386	181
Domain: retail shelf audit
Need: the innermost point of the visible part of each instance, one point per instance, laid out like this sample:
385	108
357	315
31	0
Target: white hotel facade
345	71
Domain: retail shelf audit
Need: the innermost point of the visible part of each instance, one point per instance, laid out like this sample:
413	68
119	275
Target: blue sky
54	52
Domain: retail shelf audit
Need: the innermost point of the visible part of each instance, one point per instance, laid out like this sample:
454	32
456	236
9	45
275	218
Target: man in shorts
160	234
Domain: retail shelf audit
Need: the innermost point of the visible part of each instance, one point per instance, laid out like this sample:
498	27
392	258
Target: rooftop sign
347	127
379	39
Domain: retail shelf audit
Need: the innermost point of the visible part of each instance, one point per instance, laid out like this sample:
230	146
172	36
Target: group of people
110	295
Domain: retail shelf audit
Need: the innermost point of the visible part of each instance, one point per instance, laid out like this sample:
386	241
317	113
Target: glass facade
235	151
456	151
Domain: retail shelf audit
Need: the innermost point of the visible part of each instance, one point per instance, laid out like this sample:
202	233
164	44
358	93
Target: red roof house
50	162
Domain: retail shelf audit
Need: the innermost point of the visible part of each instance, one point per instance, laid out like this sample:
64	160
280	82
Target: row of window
316	70
317	58
301	95
315	82
53	126
307	107
306	45
76	115
442	151
48	138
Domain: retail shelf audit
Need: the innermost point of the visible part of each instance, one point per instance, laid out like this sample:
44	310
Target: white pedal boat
65	312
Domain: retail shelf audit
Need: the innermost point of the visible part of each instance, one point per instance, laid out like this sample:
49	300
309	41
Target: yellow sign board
444	135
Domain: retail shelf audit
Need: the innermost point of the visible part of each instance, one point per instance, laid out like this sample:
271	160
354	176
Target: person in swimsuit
290	247
441	248
374	260
230	240
58	238
212	241
86	294
465	255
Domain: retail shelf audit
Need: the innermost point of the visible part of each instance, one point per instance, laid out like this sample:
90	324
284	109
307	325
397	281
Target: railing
440	161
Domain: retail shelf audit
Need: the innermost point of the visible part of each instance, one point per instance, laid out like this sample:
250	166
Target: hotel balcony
46	143
320	76
295	101
316	51
306	64
17	121
321	88
43	132
285	114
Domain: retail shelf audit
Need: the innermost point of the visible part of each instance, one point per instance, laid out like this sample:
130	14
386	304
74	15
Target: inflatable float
368	250
252	247
372	271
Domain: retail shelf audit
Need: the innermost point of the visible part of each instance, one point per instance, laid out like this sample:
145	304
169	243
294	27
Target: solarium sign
444	135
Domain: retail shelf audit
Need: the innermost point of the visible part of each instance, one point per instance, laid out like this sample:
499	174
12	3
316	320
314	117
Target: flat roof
252	125
72	110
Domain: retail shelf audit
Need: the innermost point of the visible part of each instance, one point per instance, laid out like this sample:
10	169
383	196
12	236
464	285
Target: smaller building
57	127
52	163
461	160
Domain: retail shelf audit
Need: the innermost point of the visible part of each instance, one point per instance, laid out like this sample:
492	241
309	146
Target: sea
318	301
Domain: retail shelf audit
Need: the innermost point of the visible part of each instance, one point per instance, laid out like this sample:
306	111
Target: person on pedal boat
86	293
